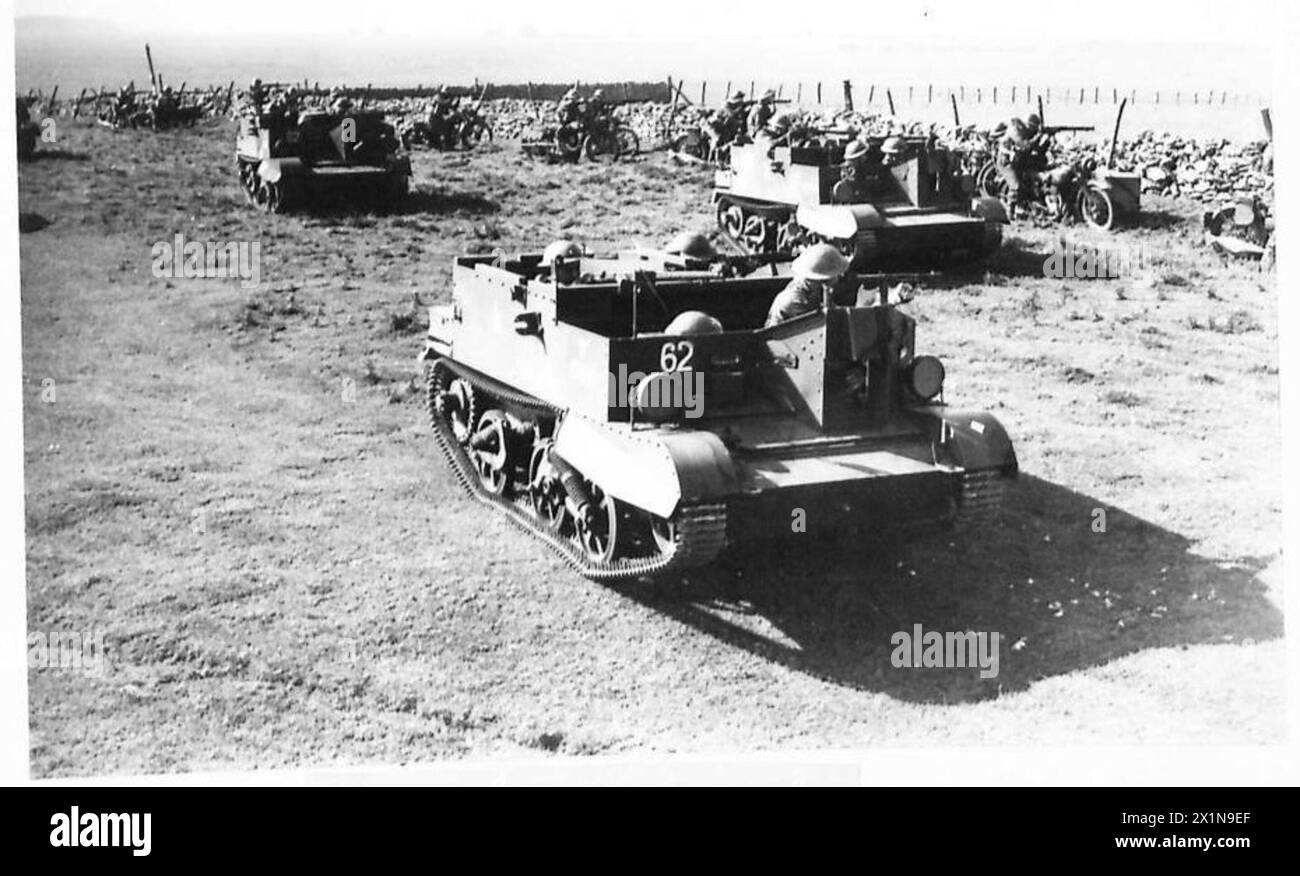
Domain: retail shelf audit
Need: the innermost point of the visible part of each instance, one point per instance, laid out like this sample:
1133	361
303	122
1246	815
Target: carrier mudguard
651	469
271	169
989	209
838	222
971	439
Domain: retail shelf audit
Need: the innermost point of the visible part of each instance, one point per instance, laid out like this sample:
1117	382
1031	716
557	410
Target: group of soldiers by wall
157	108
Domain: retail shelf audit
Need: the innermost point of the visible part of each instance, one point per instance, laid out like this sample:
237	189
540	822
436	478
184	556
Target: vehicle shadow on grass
58	155
1160	220
440	201
1062	597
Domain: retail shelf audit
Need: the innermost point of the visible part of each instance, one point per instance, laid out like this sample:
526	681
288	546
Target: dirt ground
238	490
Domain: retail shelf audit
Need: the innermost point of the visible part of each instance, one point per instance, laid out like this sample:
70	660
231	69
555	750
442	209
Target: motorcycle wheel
1096	208
988	182
691	144
628	142
601	147
476	134
568	142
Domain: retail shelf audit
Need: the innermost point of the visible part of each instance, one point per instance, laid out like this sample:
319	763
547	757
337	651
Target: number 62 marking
676	356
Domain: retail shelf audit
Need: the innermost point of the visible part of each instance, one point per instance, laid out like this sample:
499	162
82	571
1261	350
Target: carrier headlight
925	377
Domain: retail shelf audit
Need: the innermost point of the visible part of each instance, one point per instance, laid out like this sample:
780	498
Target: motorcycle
1077	191
555	142
1244	228
609	138
709	140
472	127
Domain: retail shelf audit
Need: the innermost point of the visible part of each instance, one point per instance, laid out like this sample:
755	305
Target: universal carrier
564	396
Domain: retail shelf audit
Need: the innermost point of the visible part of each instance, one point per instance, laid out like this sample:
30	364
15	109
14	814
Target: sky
1240	21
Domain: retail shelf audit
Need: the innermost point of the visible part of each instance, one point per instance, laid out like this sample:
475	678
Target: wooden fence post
890	97
871	95
848	95
704	87
819	93
929	93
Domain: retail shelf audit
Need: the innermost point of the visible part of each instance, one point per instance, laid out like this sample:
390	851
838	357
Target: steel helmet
769	96
855	150
560	249
738	97
691	244
894	146
819	262
598	94
1033	122
694	322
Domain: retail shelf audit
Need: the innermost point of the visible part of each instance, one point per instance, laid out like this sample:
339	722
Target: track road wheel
456	404
271	196
731	219
1097	209
663	531
755	235
787	236
597	529
545	492
489	448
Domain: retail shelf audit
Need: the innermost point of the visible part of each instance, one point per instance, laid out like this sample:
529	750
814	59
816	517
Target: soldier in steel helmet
569	109
761	113
340	103
257	94
860	173
1021	156
692	245
729	122
818	273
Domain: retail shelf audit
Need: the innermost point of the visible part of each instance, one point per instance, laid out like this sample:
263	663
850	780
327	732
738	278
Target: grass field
237	488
